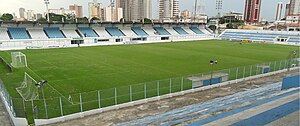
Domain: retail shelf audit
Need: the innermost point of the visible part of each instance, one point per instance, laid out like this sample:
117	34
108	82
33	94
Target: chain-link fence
75	103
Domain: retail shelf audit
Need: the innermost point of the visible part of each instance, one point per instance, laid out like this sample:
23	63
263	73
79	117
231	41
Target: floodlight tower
218	8
47	8
195	11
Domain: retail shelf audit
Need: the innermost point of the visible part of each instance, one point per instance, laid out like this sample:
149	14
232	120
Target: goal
28	89
18	59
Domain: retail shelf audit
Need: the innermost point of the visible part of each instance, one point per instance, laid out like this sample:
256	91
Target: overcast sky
268	6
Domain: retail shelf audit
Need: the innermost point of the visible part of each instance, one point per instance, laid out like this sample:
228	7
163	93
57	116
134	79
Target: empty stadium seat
180	31
161	31
87	32
70	33
196	30
37	34
257	35
4	34
128	32
139	31
18	33
114	31
54	32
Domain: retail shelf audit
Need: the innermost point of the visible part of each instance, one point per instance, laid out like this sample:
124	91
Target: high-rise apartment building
168	9
77	9
279	10
252	11
294	7
22	12
135	9
94	9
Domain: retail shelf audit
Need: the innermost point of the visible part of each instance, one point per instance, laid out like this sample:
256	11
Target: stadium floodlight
218	8
212	63
47	8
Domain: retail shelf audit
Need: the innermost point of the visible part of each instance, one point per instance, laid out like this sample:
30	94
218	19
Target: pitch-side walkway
4	117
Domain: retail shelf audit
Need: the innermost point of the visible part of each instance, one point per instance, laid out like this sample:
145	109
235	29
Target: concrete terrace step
207	108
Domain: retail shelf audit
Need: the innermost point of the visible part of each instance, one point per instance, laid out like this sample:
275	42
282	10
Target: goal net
18	59
28	89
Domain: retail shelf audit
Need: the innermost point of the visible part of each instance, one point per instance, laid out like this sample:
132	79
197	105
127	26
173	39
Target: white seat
128	32
188	30
171	31
70	33
102	32
149	30
37	34
4	34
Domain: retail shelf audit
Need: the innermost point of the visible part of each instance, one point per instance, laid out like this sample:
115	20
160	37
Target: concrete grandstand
39	35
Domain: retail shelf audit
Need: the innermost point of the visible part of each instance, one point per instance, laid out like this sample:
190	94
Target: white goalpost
28	89
18	59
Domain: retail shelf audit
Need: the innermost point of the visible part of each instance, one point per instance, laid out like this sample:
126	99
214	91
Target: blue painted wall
213	81
291	82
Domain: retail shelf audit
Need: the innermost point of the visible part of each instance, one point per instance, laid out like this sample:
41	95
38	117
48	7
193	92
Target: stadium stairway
4	35
205	112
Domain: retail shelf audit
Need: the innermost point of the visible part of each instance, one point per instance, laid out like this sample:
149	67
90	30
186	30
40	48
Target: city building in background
279	10
77	9
168	9
294	7
62	11
293	16
185	14
252	11
22	12
135	9
112	14
287	9
29	15
233	16
38	16
94	9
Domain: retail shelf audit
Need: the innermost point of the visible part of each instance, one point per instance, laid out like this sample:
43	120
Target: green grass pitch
84	69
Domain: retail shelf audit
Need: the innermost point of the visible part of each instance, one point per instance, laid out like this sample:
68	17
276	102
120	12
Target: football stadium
57	71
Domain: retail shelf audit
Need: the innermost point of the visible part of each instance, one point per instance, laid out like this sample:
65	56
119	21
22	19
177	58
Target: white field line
51	86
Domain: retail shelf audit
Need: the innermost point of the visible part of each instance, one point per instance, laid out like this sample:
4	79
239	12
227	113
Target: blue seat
88	32
54	32
139	31
161	31
180	31
114	31
18	33
196	30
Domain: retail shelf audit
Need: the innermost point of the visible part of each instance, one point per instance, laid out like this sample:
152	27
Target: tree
42	19
6	17
212	27
56	17
95	19
121	20
147	20
84	19
229	25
